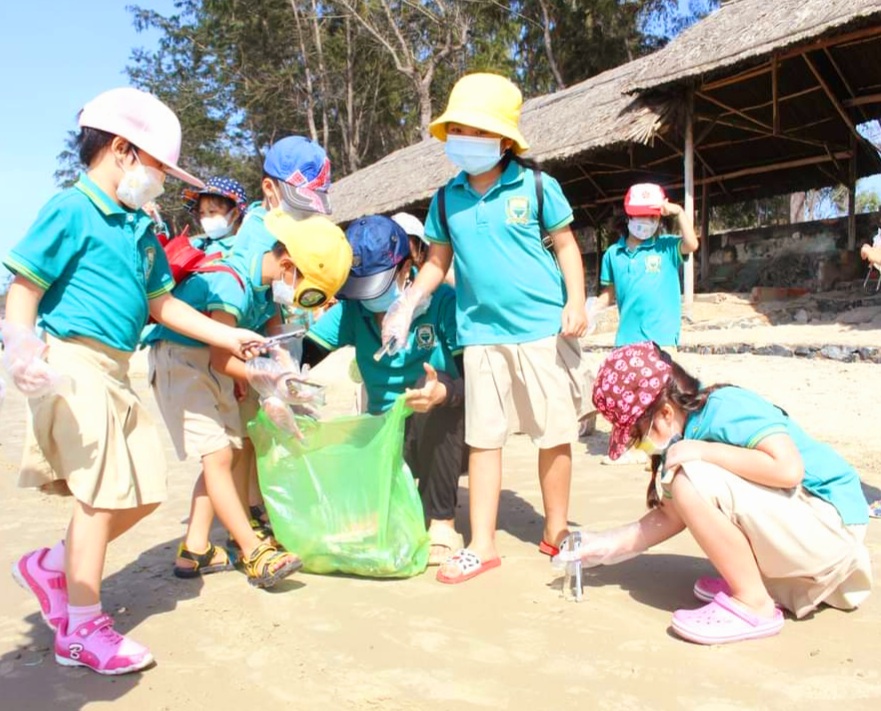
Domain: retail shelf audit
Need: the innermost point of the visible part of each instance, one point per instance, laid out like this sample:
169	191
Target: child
220	208
781	516
428	369
194	384
519	310
91	269
641	271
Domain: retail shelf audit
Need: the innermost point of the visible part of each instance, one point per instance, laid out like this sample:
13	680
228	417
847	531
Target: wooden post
705	229
852	198
688	265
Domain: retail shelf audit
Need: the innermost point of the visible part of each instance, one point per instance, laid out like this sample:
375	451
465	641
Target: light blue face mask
381	303
473	154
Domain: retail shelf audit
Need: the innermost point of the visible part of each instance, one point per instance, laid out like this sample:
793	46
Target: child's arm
432	274
606	297
22	301
871	254
574	320
221	359
184	319
775	461
690	241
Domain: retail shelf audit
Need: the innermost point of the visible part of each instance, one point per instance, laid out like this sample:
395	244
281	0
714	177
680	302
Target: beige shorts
536	388
805	553
93	438
197	403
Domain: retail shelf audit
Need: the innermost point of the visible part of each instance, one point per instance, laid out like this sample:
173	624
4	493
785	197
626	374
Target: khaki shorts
805	553
536	388
197	403
93	438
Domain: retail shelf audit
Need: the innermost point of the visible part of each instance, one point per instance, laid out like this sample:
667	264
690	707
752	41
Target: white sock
54	559
78	615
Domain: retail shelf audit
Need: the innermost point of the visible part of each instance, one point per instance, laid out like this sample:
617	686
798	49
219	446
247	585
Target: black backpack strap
546	239
442	212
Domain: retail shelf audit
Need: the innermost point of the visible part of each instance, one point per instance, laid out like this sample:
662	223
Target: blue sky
54	56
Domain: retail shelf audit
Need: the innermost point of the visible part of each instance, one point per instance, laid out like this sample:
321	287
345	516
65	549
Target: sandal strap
263	558
202	560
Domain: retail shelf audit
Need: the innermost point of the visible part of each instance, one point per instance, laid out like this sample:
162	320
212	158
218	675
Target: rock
839	353
801	316
774	350
863	314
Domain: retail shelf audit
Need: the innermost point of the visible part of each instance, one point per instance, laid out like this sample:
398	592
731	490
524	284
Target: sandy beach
506	640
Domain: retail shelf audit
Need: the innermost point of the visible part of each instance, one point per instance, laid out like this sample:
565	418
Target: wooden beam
775	98
737	78
831	96
732	110
861	100
852	199
865	33
705	230
688	262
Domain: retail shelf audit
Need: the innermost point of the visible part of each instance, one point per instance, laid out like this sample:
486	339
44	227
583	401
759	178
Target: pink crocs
723	621
96	645
706	588
49	586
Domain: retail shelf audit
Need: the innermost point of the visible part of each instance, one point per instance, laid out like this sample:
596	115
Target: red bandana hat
630	380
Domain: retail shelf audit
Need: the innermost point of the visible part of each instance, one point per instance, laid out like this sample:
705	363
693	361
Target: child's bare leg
196	539
554	476
724	544
484	490
88	534
241	471
217	469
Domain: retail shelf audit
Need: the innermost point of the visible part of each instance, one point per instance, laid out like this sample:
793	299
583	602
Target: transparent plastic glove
285	381
23	358
396	324
603	548
282	415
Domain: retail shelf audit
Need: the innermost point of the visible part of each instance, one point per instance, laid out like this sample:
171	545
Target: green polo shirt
98	262
647	289
432	340
509	288
739	417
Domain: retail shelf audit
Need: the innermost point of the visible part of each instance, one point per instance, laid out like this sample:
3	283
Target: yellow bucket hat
485	101
320	251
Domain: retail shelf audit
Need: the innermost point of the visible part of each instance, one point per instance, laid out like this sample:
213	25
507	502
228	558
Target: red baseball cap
630	380
644	200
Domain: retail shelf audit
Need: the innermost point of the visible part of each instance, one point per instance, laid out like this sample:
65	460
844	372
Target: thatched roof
741	31
591	115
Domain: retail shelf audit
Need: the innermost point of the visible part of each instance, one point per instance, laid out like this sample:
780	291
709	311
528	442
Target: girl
92	270
518	309
781	516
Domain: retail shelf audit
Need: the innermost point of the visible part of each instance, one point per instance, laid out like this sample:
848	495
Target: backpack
185	259
546	239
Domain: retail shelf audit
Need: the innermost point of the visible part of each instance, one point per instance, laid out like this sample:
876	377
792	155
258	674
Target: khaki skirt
93	438
806	555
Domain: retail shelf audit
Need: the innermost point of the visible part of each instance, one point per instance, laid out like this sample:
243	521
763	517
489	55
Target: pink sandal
723	621
706	588
468	565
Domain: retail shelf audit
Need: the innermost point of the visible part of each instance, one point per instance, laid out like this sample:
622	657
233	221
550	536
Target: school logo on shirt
653	264
149	258
425	337
517	210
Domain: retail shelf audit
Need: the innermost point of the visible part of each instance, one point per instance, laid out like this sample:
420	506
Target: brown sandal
267	565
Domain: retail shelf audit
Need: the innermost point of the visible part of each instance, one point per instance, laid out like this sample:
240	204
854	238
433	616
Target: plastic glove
284	415
285	381
397	320
23	359
604	547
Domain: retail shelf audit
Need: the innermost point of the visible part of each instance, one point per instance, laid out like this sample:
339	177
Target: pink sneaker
49	586
706	588
96	645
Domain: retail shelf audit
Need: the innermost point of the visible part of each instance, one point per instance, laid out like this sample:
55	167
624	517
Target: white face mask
643	227
648	445
140	185
216	226
473	154
282	292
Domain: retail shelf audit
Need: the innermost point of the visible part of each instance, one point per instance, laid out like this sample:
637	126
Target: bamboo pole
852	198
688	262
705	229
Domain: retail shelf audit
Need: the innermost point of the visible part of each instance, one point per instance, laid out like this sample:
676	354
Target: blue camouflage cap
379	245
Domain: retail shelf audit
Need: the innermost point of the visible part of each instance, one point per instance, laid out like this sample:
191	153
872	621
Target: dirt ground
507	639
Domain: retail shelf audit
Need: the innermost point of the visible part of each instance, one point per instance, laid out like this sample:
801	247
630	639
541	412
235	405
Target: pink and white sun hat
143	120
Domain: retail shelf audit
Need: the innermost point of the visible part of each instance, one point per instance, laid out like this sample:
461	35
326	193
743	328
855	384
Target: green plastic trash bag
343	499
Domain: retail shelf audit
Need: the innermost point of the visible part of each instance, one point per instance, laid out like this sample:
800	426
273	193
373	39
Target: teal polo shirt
99	264
222	246
253	235
432	340
647	289
742	418
509	288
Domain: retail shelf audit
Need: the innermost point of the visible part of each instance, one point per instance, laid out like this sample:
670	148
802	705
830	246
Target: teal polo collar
513	173
101	200
647	244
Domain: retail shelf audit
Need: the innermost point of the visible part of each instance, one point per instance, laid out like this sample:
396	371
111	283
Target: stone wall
812	255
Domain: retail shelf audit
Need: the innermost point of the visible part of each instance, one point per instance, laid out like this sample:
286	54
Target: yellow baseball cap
320	251
485	101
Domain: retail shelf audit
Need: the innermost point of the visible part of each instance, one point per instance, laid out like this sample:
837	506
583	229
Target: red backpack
185	259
